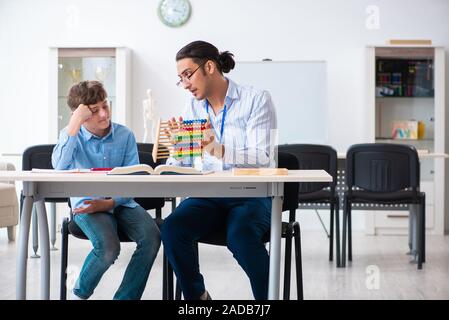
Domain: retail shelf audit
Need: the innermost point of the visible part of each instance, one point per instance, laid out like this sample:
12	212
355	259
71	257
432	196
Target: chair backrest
38	156
145	156
314	156
382	167
289	161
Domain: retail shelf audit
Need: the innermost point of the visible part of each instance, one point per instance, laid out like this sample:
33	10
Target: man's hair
86	92
201	51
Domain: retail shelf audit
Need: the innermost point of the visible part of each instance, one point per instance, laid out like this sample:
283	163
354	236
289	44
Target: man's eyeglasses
186	77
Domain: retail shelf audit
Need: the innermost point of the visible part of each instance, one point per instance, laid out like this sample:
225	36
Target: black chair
70	227
39	156
379	173
316	157
289	230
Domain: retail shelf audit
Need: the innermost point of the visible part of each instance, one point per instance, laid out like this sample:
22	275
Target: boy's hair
86	92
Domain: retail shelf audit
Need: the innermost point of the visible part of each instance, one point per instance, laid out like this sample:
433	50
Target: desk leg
275	248
45	250
53	225
22	252
34	233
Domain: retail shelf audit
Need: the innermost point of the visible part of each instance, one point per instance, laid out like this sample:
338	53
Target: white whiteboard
299	93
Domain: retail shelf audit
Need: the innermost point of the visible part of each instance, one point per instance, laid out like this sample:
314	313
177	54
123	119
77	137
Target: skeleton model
149	117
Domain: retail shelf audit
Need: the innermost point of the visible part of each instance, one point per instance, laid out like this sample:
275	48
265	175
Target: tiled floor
380	270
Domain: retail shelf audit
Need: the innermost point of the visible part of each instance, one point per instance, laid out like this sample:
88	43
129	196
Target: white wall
330	30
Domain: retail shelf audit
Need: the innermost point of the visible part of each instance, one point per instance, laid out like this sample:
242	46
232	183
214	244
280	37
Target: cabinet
67	66
405	86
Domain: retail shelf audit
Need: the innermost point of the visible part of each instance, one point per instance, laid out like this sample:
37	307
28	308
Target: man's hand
79	116
94	206
173	128
210	144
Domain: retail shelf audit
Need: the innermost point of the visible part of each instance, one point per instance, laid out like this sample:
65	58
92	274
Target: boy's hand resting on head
79	116
94	206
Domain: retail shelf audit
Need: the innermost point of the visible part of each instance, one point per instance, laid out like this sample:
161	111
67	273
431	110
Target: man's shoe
205	296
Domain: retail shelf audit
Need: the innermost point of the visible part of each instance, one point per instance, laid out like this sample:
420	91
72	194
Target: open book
161	169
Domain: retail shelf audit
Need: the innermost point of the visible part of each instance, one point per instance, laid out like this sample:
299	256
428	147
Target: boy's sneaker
73	296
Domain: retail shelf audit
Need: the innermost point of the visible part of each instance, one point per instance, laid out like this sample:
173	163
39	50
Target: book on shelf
260	171
144	169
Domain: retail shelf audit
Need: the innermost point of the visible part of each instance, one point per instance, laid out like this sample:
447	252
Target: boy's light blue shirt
85	150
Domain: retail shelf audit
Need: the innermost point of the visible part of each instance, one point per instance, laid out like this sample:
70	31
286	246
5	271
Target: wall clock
174	13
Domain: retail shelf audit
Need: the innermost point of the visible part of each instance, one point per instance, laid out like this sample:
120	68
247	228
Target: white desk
38	186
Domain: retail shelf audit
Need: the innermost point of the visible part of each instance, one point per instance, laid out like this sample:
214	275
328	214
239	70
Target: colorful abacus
187	142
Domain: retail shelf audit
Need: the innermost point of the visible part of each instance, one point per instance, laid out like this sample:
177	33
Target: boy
92	140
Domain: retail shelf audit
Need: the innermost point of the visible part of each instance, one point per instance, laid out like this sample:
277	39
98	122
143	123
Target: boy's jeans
101	229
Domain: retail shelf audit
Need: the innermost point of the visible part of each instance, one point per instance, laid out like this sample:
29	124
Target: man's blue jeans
246	221
101	229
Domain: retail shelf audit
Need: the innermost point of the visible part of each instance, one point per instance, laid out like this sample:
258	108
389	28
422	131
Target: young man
241	119
92	140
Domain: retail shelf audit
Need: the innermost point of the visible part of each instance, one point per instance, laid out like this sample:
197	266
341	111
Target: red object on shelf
101	169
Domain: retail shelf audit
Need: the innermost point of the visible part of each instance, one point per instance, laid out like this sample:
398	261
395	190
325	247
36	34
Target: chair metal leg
164	278
349	233
21	203
423	230
35	232
64	258
411	228
158	213
169	281
331	233
343	247
298	259
419	239
178	291
337	232
288	261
